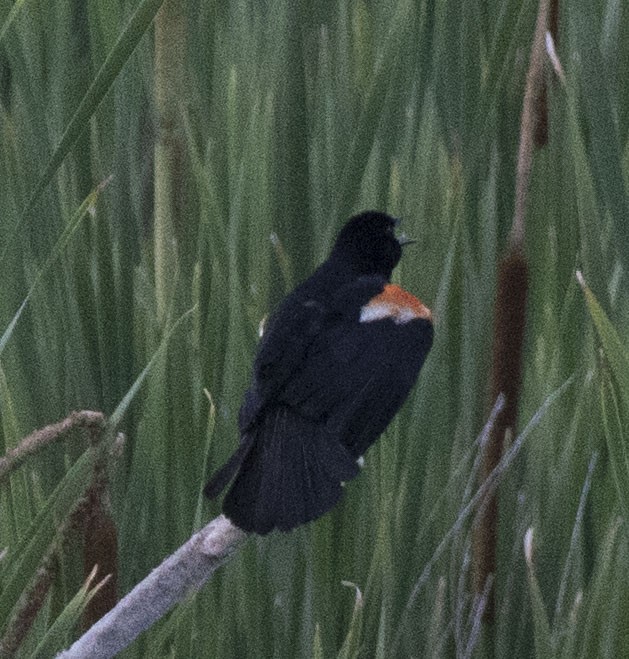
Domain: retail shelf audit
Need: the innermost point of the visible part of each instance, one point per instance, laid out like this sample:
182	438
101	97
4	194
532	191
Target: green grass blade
616	353
10	19
60	633
601	119
84	209
616	435
129	38
541	625
351	645
614	394
123	406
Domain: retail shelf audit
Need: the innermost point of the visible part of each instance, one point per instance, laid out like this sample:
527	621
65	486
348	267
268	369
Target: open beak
403	239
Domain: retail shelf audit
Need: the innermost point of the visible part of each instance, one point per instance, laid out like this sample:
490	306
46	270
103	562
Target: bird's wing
290	331
304	319
356	373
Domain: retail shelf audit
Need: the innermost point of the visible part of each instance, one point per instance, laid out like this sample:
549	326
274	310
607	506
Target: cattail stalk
510	308
170	77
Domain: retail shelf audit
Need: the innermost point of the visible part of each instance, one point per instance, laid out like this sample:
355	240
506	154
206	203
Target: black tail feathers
290	471
224	475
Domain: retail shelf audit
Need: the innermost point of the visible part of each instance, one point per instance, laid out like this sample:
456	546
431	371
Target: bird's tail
224	475
290	471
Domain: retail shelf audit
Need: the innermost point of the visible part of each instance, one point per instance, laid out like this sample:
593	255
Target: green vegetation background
276	120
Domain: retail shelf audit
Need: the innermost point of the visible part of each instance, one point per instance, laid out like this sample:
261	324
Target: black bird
337	360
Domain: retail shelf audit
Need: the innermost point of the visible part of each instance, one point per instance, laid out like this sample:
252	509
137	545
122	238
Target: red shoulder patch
395	303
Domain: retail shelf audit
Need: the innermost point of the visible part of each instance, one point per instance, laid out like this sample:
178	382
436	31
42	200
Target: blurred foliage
290	116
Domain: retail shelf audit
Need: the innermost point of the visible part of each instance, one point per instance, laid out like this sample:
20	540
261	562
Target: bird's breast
396	304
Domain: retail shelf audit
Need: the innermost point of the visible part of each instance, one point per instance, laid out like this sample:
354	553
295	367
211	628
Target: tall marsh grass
155	219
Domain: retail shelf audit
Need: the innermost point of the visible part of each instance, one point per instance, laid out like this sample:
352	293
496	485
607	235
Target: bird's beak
403	239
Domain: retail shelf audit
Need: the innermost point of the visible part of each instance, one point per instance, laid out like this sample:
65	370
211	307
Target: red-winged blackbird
337	360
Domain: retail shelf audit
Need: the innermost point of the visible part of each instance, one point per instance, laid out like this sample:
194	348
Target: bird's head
368	243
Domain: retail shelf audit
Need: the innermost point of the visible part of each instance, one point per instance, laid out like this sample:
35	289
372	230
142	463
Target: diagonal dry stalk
38	439
176	578
90	516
